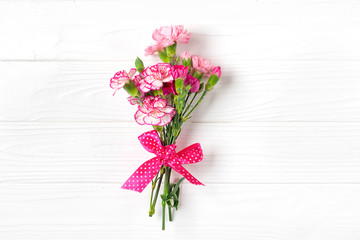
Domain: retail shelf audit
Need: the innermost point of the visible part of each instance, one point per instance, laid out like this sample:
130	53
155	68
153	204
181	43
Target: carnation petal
168	109
139	117
160	103
165	120
132	73
156	84
152	121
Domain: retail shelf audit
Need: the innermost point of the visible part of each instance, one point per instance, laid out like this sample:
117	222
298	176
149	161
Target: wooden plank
234	153
104	30
231	211
248	91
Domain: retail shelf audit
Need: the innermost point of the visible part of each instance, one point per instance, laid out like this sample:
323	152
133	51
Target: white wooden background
281	132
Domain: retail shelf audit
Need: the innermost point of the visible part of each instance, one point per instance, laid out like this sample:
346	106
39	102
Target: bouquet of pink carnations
165	95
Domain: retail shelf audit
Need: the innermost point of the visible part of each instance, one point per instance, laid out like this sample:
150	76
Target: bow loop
191	154
151	142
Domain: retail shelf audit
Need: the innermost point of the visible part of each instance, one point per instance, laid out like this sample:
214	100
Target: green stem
170	217
201	98
153	183
187	108
169	207
152	207
166	192
163	217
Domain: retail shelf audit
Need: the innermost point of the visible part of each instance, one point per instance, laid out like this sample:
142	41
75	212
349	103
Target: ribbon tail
181	170
143	175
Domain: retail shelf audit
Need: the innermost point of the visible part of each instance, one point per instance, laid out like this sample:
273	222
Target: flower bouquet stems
166	94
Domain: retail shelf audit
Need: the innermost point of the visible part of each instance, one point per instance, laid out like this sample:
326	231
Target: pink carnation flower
179	71
202	65
154	111
195	84
170	34
166	36
169	88
121	78
141	84
155	76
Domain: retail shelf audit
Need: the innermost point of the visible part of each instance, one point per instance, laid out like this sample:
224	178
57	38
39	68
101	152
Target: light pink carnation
154	111
179	71
170	34
202	65
155	76
121	78
166	36
151	50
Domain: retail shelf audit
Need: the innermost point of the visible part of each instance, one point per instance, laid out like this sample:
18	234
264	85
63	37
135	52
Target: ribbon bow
165	155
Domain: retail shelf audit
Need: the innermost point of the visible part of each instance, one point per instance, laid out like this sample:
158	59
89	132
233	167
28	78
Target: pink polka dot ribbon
165	155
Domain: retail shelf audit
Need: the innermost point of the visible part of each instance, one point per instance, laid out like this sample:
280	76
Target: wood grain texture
247	91
101	30
281	131
234	153
232	211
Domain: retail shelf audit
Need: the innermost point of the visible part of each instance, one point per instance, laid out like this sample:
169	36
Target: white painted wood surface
281	132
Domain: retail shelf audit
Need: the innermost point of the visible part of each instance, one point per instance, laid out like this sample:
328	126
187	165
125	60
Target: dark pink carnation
195	84
179	71
169	88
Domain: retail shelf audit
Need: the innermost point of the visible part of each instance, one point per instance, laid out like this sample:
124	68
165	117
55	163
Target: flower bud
139	65
212	82
186	59
185	56
171	50
131	88
217	71
179	99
